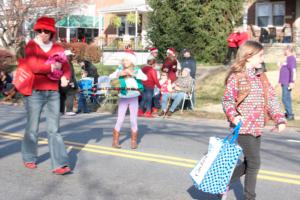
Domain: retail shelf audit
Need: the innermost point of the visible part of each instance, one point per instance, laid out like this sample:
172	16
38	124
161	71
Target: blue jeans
287	101
34	105
146	102
177	97
287	39
82	105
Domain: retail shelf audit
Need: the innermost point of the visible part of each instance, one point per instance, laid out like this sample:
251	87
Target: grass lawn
210	91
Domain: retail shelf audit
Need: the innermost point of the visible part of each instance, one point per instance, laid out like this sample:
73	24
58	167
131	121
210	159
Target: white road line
294	141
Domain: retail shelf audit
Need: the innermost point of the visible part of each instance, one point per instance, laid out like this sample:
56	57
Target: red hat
46	23
154	50
171	51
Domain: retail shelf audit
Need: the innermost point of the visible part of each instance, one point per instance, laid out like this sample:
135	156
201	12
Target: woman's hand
237	119
64	81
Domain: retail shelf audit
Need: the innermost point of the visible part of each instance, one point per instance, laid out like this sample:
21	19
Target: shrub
92	53
6	60
201	26
84	51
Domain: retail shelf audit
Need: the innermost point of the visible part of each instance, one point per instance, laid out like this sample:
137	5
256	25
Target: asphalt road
159	169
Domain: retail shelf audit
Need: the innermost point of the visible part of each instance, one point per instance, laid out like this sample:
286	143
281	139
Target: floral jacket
254	106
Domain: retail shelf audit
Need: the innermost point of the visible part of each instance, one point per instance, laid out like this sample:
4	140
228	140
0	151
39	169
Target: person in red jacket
170	64
243	36
232	43
149	84
45	94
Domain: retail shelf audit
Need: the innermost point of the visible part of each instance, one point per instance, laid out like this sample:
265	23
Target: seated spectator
149	84
181	86
7	89
166	87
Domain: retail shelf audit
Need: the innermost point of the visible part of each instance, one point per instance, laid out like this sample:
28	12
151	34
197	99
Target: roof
127	6
78	21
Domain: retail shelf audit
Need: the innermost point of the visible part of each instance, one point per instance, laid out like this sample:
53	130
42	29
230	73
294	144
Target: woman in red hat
45	94
170	64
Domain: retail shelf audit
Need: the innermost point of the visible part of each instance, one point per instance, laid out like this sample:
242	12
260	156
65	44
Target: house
126	33
267	20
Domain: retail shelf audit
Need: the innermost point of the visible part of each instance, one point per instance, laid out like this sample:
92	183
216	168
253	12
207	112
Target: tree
200	25
16	13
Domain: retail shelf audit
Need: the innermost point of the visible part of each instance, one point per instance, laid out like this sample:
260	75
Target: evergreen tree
200	25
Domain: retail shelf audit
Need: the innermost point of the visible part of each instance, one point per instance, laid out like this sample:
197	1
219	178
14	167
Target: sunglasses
43	31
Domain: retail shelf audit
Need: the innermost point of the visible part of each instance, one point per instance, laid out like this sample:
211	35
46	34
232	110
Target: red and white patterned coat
252	108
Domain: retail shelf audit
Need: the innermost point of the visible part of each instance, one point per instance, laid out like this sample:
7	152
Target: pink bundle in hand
56	73
57	57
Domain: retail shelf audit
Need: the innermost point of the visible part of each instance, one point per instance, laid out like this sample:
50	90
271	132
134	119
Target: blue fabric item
218	175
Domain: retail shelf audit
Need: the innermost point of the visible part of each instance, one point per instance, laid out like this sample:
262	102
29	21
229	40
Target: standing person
250	98
287	33
67	94
149	84
188	61
129	76
90	68
82	104
242	37
232	43
287	78
170	64
45	94
154	52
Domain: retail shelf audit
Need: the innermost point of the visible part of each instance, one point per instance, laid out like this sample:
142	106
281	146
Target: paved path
159	169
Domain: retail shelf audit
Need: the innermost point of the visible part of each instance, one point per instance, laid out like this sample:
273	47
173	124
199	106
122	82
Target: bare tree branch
15	13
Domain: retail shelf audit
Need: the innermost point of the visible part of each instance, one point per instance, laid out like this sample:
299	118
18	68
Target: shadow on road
237	188
84	138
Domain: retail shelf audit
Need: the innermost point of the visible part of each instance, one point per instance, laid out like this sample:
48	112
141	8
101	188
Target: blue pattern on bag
218	175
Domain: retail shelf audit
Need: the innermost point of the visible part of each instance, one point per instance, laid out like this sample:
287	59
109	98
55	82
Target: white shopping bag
204	164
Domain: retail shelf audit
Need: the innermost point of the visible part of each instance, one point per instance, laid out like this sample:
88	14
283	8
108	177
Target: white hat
151	57
130	55
68	53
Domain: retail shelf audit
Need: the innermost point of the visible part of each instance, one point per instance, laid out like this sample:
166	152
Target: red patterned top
252	107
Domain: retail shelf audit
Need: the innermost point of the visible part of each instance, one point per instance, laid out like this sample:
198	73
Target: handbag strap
236	131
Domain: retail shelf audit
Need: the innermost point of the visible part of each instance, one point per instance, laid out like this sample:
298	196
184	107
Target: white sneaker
70	113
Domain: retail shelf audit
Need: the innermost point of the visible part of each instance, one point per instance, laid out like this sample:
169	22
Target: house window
270	13
127	28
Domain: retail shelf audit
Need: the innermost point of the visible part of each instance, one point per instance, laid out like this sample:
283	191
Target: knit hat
151	57
153	50
46	23
171	51
130	55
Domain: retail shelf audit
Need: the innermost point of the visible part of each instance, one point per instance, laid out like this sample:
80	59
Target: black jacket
189	63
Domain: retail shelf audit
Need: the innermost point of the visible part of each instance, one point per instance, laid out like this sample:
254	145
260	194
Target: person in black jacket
67	94
90	69
188	62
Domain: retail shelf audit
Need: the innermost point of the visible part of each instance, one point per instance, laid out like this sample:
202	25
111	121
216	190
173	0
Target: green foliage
130	18
200	25
116	21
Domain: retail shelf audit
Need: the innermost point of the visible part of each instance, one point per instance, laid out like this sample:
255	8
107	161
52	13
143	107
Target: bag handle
236	131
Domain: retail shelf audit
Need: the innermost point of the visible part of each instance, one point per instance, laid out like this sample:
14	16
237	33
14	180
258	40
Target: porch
133	34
